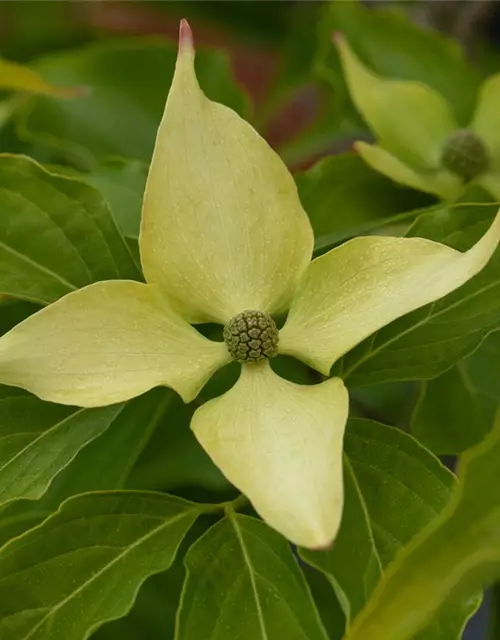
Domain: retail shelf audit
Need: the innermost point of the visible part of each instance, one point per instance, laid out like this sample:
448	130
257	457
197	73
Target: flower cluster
224	239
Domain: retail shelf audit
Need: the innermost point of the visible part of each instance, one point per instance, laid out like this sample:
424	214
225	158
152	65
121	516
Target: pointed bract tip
337	37
185	36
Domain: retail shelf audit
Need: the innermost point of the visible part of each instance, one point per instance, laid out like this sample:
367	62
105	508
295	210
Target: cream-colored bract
105	343
486	121
359	287
281	444
222	229
409	117
441	181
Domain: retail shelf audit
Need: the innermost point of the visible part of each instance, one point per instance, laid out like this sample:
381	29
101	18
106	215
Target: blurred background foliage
274	63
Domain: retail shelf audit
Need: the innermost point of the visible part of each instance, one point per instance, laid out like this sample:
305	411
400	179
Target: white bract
223	231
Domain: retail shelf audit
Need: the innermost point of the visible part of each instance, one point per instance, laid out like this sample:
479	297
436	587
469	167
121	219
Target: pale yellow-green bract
223	231
411	121
17	77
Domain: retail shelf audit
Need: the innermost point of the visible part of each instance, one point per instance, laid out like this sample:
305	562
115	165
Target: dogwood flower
224	239
420	143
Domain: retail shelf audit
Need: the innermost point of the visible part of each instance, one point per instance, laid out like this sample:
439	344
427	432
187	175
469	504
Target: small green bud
465	154
251	336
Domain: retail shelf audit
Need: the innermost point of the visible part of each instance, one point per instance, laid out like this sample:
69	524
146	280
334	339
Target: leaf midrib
54	610
251	572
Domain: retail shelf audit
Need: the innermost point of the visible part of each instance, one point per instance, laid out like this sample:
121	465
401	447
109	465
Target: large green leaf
173	458
451	414
243	582
56	234
392	45
426	342
344	198
454	556
13	312
482	367
153	615
393	488
84	565
38	439
122	110
121	183
94	467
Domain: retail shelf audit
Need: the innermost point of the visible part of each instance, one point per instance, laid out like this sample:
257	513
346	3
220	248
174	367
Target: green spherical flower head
465	155
251	336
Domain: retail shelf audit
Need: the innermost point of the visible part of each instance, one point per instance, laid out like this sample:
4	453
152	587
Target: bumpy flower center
251	336
465	154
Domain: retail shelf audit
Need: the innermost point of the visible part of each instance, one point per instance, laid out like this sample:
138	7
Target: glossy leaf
121	111
451	414
121	183
154	611
243	581
84	565
93	468
56	234
454	556
394	488
13	312
482	367
173	458
38	440
425	343
343	198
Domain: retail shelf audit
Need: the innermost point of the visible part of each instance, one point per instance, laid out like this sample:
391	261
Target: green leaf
394	46
13	312
482	367
454	556
393	488
121	183
121	112
84	565
39	439
56	234
93	468
352	565
173	457
451	414
426	342
242	581
328	606
344	198
153	613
